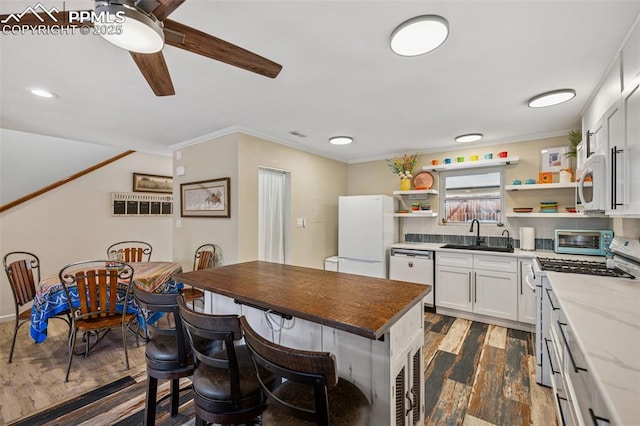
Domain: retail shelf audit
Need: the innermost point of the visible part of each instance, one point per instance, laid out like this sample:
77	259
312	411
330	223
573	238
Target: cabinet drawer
496	263
454	259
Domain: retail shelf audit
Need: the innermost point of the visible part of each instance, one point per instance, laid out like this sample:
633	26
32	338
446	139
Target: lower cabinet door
526	297
495	294
454	288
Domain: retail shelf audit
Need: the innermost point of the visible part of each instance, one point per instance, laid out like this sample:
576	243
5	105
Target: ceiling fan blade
155	71
45	18
165	8
192	40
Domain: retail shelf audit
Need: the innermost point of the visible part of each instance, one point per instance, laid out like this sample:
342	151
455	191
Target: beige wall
213	159
73	222
316	183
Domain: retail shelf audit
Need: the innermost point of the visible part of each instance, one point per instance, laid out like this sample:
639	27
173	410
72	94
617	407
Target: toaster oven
589	242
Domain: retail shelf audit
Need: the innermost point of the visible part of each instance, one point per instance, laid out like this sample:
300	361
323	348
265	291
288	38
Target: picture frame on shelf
206	198
554	159
143	182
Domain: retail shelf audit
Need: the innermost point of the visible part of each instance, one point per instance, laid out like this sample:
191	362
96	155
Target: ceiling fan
143	30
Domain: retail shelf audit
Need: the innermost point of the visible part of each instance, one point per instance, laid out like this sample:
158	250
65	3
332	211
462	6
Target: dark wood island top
360	305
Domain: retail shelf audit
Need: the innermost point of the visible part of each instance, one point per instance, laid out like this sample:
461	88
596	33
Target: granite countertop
516	253
604	314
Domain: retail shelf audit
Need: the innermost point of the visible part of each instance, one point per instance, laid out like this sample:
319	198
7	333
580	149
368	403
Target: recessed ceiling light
43	93
341	140
140	32
470	137
554	97
419	35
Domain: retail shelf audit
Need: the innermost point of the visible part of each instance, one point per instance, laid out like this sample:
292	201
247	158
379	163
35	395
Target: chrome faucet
479	240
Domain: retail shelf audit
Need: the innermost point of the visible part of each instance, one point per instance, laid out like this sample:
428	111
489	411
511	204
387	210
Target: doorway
274	189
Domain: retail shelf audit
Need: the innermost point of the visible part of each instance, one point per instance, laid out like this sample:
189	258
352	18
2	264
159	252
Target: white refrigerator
366	230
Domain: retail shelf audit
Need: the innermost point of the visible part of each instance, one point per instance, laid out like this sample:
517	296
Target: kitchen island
373	326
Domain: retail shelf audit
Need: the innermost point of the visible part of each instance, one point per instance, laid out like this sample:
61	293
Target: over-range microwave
589	242
592	183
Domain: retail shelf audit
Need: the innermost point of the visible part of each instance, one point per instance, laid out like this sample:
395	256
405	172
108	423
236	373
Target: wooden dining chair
23	272
104	292
130	251
225	385
206	256
312	391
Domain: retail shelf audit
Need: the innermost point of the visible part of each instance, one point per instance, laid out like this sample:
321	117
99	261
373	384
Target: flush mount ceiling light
554	97
419	35
43	93
341	140
469	137
141	32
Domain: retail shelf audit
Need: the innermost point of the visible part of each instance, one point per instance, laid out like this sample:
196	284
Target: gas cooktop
581	267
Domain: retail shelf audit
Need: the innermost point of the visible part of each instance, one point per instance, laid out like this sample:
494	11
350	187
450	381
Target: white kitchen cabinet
495	294
481	284
526	296
631	123
454	288
406	388
578	400
605	95
596	138
631	56
624	154
616	165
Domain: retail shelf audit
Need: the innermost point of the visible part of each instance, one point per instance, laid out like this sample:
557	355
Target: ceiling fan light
554	97
469	137
341	140
419	35
141	32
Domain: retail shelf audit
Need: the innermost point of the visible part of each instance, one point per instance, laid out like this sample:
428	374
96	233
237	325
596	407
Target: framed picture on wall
554	159
206	198
152	183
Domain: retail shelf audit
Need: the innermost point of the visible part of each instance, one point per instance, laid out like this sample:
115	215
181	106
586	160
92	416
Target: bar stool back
312	392
167	351
225	385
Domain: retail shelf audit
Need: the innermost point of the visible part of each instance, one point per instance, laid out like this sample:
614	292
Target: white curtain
271	215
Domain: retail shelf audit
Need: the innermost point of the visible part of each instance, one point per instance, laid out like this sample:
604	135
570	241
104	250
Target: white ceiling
339	76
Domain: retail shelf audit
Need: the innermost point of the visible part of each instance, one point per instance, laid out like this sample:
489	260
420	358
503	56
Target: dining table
51	299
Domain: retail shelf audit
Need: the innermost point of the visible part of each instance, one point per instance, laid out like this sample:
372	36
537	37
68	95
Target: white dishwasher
415	266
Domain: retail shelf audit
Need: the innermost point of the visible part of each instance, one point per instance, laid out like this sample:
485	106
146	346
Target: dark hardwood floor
475	374
479	374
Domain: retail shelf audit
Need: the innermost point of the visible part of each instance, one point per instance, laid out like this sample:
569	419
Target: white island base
387	370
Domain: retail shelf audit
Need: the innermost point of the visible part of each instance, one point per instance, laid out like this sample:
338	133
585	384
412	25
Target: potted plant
403	167
575	137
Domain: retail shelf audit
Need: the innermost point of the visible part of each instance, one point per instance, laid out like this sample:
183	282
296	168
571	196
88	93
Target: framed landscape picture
152	183
206	198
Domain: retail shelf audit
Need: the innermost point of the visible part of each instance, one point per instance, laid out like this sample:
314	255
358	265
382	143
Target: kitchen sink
478	248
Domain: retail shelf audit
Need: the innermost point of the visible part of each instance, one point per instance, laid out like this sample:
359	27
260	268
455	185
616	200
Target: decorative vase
405	184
